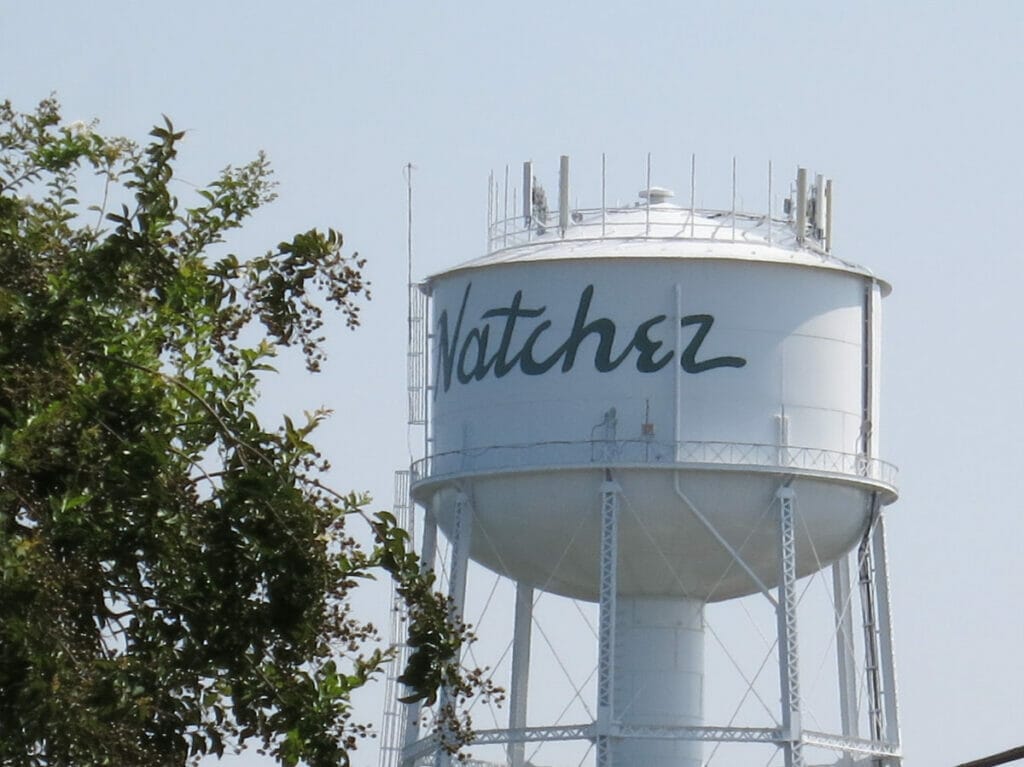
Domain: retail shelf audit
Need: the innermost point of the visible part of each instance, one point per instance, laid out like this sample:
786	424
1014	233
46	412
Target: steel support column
869	619
428	553
461	539
460	542
606	620
885	649
789	657
522	629
845	657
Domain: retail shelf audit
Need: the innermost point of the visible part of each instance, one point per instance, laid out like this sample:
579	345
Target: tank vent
656	194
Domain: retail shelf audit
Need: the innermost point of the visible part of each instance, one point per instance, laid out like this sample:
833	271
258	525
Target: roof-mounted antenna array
813	222
828	215
801	205
807	210
563	193
527	193
818	197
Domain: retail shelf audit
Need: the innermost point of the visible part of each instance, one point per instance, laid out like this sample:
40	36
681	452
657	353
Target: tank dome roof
660	230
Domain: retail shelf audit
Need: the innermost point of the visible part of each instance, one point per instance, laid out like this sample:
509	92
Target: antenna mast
408	228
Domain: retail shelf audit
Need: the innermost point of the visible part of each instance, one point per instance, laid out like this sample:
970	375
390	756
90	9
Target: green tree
174	574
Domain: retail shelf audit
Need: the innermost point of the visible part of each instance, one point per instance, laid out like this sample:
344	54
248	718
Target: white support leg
460	542
789	657
869	617
461	539
846	660
522	629
428	553
885	649
606	619
428	549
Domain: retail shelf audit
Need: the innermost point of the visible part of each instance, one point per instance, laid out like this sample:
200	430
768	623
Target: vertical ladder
392	730
417	356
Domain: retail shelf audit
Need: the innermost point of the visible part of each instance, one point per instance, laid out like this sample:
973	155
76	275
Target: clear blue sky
914	108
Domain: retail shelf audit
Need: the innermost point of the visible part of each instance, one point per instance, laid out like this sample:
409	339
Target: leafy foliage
174	575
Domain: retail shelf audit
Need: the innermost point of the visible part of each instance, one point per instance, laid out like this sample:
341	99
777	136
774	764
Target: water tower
655	407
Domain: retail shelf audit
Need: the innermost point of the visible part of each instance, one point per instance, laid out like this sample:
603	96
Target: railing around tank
555	454
657	224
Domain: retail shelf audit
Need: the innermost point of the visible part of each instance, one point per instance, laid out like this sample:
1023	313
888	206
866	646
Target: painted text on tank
471	356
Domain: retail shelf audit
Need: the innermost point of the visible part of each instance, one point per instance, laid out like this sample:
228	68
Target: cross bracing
844	740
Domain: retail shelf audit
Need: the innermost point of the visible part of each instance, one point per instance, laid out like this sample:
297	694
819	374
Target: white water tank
701	368
701	361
